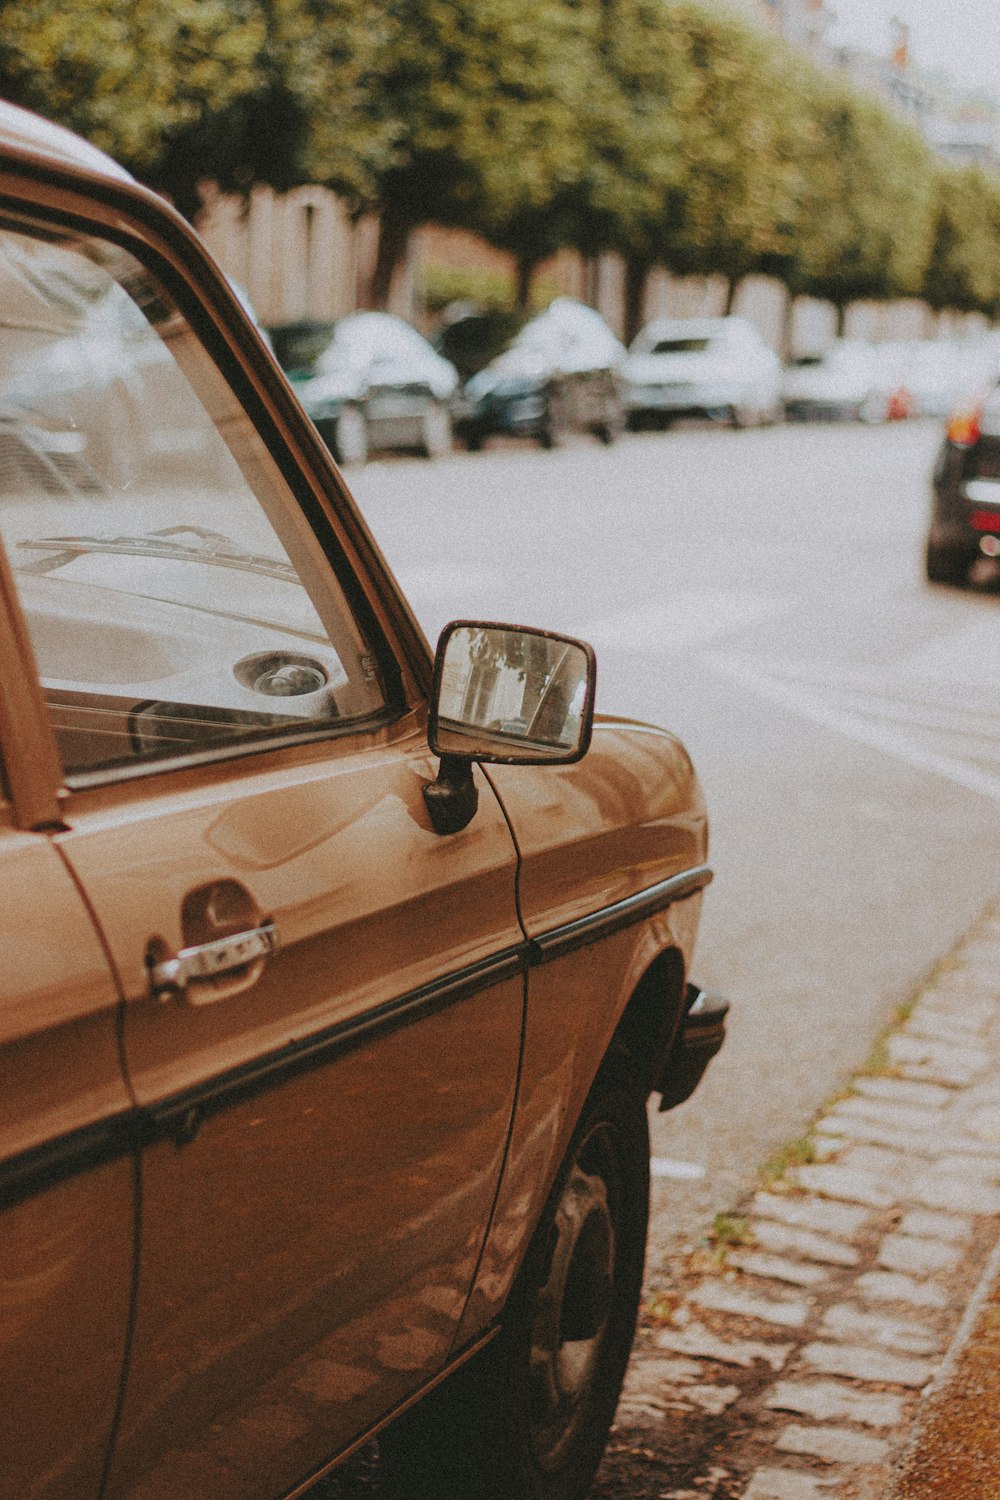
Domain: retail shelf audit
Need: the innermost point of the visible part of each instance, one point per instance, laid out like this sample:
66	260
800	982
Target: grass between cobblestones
670	1443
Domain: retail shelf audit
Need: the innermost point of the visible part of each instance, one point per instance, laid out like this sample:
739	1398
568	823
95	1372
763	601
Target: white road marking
970	656
685	620
813	706
676	1171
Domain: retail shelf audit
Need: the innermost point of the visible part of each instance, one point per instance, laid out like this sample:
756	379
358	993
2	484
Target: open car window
176	598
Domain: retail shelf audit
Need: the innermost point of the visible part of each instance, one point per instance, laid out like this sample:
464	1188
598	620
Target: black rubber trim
620	914
67	1155
180	1116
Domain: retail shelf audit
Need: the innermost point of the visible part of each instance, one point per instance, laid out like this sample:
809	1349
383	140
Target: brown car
334	981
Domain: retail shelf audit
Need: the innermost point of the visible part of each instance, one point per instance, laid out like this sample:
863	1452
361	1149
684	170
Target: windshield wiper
209	547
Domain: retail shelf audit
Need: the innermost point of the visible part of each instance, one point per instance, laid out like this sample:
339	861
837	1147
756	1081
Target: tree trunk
841	310
787	349
525	271
592	280
636	276
732	287
393	242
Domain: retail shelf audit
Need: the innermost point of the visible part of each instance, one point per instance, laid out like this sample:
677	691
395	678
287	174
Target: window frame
40	197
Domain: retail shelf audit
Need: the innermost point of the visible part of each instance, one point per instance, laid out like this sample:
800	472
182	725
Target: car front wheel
436	436
529	1417
946	564
350	437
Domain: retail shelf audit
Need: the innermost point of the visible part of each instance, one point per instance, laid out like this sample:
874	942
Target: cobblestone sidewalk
791	1365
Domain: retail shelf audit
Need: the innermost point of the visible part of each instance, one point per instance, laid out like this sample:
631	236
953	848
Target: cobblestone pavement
787	1359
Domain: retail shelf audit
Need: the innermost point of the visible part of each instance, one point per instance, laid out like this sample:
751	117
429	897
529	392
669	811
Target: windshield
165	573
680	346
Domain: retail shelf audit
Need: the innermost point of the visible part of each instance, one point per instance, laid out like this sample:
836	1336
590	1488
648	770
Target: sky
961	37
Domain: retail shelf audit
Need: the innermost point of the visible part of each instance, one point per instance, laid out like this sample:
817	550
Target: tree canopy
667	130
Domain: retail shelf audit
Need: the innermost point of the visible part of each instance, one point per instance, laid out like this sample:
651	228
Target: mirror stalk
453	798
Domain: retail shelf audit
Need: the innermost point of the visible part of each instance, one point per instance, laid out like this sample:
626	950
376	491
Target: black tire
528	1418
552	431
435	431
611	429
946	565
346	435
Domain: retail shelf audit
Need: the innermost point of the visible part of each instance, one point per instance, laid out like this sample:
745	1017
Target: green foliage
668	130
865	216
442	285
963	269
731	1229
734	208
797	1153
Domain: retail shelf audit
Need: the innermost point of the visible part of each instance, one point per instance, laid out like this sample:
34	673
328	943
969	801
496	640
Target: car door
322	997
67	1174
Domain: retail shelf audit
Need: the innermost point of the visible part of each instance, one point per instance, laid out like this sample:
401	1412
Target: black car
558	374
963	540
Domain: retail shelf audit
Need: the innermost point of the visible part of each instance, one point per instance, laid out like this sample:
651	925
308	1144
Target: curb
797	1365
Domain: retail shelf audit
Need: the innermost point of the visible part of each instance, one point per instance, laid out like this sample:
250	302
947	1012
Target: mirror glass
511	695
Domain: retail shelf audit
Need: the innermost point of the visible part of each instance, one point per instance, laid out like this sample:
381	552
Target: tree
865	212
471	102
963	269
129	77
734	210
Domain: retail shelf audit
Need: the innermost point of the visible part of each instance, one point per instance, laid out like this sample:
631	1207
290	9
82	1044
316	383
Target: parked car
850	381
934	372
470	336
710	367
963	538
559	374
369	380
325	1055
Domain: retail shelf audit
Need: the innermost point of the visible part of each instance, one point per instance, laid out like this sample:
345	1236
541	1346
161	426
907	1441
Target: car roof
25	132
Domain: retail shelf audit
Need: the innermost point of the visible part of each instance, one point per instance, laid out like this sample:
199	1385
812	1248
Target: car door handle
171	976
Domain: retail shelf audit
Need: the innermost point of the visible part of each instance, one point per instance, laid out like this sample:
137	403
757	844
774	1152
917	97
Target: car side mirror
504	695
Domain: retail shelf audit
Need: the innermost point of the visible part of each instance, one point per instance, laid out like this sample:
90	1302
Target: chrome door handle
170	976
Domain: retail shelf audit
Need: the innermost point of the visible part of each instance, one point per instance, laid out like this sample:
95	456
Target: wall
299	255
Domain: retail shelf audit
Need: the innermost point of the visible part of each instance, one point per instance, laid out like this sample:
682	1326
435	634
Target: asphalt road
761	593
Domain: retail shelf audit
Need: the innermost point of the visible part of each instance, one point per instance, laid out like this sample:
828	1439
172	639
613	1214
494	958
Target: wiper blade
209	547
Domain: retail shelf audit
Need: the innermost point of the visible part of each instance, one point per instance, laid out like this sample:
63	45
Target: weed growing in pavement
797	1153
658	1307
731	1229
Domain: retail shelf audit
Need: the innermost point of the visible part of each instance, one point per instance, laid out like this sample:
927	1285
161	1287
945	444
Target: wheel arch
649	1022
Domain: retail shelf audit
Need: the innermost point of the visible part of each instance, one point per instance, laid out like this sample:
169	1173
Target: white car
851	381
369	380
715	367
938	373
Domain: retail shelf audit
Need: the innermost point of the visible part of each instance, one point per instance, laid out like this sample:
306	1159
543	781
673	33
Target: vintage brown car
334	980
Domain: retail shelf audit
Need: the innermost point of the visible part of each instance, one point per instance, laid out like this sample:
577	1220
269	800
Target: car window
680	346
176	599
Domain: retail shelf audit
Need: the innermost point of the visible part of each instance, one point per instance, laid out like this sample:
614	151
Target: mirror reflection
511	694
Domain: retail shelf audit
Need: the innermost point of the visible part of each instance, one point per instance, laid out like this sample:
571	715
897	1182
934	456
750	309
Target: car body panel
964	528
619	824
273	1102
849	380
376	364
67	1180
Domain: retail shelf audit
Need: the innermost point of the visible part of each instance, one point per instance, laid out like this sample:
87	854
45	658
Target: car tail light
964	426
985	520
